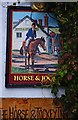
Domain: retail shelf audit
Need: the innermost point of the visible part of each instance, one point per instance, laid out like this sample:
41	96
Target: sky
35	15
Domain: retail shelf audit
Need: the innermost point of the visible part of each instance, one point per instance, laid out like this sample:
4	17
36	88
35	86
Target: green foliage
67	75
54	89
18	70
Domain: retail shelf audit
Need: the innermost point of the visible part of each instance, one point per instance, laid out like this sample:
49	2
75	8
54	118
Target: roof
41	27
32	21
21	20
55	30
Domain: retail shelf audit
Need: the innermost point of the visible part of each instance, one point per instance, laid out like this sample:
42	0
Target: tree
67	75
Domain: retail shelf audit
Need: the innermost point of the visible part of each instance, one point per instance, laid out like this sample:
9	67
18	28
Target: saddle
25	49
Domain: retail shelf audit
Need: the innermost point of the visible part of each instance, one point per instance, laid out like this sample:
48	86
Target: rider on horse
31	35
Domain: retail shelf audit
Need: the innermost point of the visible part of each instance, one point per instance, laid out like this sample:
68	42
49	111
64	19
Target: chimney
40	22
35	21
46	21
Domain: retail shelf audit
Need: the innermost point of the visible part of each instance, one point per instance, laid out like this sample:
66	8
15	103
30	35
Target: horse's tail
21	51
24	43
23	46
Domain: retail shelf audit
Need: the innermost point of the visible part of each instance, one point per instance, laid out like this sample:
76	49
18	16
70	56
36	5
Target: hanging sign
29	59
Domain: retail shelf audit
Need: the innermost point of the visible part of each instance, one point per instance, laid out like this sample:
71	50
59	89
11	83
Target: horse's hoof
31	69
27	67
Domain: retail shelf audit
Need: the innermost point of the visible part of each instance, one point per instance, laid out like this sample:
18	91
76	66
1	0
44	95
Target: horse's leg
28	60
32	61
25	60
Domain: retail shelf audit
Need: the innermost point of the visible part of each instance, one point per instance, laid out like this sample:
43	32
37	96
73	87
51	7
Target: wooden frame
16	74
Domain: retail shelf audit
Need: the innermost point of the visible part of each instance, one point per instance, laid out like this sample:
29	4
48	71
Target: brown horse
32	50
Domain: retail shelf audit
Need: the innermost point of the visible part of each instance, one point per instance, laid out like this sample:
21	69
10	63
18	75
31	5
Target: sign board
22	108
32	65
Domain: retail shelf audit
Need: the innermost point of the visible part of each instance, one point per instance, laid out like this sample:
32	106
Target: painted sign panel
21	108
30	59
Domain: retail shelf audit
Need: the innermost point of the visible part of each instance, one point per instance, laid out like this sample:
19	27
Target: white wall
16	92
0	51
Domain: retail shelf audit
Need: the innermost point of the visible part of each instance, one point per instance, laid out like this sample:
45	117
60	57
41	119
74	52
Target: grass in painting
19	70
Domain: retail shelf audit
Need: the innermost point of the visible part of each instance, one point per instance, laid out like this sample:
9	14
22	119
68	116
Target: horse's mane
42	38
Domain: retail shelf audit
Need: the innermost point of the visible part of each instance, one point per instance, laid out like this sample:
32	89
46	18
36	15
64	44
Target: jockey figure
31	35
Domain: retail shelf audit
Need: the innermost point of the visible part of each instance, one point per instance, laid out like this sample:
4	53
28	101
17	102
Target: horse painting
32	50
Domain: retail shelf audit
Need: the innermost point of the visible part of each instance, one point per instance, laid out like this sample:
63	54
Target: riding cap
33	24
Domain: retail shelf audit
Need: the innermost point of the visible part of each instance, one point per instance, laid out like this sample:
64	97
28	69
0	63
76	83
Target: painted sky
36	15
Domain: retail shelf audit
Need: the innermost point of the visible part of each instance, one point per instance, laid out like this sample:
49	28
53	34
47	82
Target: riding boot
27	46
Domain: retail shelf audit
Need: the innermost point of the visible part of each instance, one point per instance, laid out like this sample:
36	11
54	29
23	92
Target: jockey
31	35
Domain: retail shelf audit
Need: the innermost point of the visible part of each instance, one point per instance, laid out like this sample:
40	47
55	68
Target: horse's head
43	43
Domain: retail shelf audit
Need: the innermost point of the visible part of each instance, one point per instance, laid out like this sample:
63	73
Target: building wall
16	92
23	28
